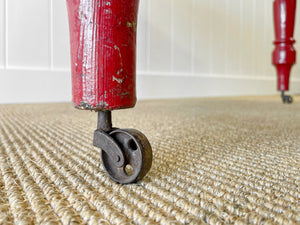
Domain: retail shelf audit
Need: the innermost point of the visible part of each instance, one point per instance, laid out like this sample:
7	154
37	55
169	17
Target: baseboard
154	86
25	86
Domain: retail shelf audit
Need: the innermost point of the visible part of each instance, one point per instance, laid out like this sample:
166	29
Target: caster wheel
137	156
287	99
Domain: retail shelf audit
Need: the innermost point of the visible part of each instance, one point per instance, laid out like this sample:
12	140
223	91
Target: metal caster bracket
126	153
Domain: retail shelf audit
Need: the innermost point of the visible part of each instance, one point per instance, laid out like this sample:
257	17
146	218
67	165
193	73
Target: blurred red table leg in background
284	55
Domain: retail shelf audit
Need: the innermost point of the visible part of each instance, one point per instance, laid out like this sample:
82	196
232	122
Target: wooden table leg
284	55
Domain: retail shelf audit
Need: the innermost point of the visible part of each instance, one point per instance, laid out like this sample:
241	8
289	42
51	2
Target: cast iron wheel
287	99
137	152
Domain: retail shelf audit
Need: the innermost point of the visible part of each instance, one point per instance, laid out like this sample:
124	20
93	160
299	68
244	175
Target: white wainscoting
186	48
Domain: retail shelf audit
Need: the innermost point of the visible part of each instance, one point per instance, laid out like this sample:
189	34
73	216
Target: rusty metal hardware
286	98
126	153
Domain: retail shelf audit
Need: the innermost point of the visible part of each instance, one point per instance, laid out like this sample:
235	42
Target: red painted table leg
284	55
103	61
103	53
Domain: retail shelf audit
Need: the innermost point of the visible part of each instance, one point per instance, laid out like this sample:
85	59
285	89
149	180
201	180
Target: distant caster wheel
126	154
286	98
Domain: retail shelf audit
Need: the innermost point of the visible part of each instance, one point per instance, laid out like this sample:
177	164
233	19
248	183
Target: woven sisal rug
216	161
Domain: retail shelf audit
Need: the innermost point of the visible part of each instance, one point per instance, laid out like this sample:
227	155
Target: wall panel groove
226	36
51	55
148	15
193	40
3	34
172	44
210	32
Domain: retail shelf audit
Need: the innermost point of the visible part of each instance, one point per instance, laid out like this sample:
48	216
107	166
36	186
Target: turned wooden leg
103	58
284	55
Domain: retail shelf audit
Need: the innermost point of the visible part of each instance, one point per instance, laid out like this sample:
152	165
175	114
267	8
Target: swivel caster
126	153
286	98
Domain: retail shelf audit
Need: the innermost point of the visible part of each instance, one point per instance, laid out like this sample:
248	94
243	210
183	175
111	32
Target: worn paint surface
284	55
103	53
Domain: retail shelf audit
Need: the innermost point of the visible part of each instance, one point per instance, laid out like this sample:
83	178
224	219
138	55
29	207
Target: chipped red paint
284	55
103	53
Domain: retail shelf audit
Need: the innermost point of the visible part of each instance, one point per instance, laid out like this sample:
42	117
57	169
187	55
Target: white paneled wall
28	34
2	34
186	48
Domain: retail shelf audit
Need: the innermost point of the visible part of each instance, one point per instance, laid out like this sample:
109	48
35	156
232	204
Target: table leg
103	61
284	55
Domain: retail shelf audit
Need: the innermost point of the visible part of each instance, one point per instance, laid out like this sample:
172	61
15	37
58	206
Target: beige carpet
216	161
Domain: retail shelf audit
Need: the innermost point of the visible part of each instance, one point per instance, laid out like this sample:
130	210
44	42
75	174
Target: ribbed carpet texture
216	161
